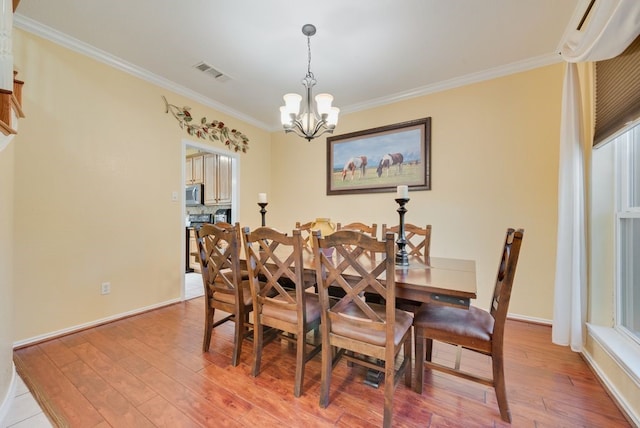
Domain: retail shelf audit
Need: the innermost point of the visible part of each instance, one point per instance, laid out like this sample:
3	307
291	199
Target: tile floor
25	411
193	285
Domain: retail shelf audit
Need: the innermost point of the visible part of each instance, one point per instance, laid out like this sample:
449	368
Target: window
628	233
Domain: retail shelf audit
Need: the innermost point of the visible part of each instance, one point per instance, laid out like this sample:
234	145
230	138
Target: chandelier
310	122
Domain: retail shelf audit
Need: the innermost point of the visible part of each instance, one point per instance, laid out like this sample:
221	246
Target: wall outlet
105	288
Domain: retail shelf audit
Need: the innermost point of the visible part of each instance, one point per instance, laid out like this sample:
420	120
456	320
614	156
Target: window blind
617	92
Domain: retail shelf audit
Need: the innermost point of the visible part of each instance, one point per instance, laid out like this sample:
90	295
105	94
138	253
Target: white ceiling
365	52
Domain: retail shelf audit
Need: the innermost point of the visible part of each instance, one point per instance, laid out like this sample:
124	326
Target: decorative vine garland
214	130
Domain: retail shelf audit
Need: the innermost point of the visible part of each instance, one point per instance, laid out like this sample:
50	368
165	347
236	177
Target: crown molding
492	73
83	48
76	45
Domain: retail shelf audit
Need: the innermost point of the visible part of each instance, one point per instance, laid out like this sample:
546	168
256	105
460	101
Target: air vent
216	74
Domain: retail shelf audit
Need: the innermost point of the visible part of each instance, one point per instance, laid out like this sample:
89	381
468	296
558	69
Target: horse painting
359	163
389	160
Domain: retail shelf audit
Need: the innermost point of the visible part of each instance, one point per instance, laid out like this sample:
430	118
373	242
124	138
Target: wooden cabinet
217	179
193	251
224	180
194	169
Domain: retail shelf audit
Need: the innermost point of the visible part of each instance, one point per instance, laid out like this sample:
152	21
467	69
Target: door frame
235	193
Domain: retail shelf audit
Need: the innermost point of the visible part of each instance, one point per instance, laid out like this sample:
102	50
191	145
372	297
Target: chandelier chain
309	73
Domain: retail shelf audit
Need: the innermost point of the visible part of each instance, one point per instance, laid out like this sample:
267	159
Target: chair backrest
504	279
224	225
219	251
274	258
356	266
418	239
360	227
305	229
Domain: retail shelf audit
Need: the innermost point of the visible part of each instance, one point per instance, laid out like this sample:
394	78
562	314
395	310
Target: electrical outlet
105	288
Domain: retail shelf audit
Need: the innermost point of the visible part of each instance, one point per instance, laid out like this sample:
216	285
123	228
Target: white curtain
611	27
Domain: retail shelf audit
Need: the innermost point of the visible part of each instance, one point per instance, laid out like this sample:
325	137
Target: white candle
403	192
262	198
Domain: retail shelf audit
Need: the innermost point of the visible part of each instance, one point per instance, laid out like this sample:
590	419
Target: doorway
191	282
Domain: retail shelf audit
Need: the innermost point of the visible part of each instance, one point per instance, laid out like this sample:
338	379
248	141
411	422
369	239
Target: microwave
193	195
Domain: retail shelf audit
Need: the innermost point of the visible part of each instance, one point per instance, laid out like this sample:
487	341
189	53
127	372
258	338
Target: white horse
357	162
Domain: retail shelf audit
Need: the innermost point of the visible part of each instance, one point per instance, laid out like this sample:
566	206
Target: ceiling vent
216	74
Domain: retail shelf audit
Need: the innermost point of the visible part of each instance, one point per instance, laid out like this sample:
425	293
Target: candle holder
402	259
263	211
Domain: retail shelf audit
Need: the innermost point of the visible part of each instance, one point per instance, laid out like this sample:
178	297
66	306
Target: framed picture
380	159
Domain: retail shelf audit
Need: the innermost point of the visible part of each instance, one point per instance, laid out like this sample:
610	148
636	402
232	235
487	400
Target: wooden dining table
445	281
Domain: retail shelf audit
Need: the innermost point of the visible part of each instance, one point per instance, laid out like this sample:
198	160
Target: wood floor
149	370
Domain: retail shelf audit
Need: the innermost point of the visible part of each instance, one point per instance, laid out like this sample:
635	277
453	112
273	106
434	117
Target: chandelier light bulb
292	103
323	102
332	120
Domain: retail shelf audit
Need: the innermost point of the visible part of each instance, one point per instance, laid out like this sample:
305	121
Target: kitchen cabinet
217	179
194	169
193	251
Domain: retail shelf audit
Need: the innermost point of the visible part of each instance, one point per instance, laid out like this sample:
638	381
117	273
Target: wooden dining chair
292	311
360	227
474	329
305	229
305	232
418	240
354	328
224	288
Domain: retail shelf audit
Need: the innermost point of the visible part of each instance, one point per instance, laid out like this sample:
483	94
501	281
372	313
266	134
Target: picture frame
380	159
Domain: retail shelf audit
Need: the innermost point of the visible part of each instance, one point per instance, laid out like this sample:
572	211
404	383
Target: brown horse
357	162
388	160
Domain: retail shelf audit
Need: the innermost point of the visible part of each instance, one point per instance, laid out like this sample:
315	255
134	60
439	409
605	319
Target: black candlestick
401	256
263	211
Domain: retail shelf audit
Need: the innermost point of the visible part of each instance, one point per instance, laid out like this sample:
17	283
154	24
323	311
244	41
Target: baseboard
59	333
533	320
11	394
620	401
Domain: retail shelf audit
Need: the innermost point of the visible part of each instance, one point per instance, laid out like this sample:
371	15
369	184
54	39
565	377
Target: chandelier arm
326	131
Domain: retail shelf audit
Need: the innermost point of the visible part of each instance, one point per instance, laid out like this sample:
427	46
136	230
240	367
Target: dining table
446	281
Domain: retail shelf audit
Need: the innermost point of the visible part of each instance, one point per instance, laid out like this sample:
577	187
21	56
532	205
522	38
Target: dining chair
305	229
224	288
272	256
360	330
474	329
418	240
361	227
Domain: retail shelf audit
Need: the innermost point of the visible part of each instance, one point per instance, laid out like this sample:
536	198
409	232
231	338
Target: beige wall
494	165
6	269
97	160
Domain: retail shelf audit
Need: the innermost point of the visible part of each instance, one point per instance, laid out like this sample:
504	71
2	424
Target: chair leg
208	328
299	379
419	359
389	386
239	331
257	345
500	387
428	353
325	376
408	370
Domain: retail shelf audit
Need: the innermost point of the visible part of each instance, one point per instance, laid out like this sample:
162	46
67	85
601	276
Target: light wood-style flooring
149	370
